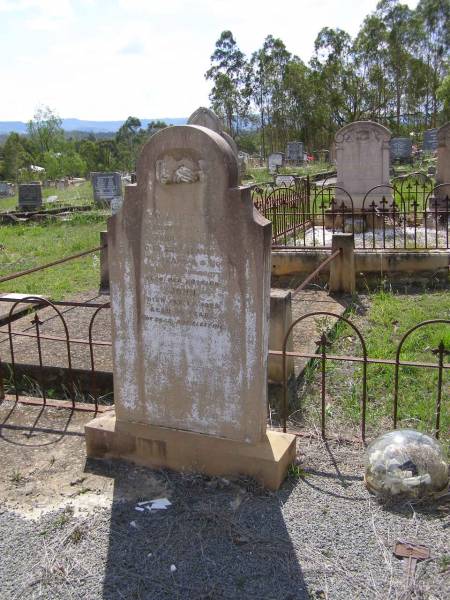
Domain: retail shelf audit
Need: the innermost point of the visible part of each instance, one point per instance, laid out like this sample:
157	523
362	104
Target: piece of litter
139	508
161	503
173	568
133	524
145	502
149	554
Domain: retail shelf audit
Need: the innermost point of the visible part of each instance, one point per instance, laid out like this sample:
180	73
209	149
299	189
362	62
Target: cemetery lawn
77	195
383	318
32	244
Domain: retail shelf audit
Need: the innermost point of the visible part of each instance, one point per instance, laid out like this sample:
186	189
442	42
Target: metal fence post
104	267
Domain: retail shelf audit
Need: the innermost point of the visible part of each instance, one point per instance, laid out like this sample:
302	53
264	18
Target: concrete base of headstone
185	451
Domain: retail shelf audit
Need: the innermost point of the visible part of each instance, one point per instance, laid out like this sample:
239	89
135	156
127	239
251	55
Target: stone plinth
362	160
189	263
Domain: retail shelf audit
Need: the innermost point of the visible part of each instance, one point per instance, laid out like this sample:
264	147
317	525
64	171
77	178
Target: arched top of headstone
443	134
185	155
362	131
205	117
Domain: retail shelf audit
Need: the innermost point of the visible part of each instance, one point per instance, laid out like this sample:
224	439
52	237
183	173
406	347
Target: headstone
284	180
362	160
401	149
442	191
189	262
295	152
4	189
205	117
107	189
30	196
275	161
430	140
60	184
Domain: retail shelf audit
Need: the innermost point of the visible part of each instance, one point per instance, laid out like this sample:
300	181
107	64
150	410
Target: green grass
73	195
32	244
389	317
259	174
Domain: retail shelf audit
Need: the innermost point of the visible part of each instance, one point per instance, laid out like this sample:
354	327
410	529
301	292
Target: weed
17	477
296	472
444	563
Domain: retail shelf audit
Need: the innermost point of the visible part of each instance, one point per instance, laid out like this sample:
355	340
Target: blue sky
107	59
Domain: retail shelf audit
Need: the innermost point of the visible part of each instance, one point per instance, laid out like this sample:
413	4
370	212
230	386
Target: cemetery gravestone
107	189
362	160
4	189
30	196
295	152
430	141
275	161
284	180
441	192
190	262
401	149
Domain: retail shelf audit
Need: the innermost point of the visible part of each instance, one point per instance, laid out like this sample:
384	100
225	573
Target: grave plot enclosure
189	261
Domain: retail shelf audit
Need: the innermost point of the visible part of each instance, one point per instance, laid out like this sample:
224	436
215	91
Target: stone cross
362	160
190	263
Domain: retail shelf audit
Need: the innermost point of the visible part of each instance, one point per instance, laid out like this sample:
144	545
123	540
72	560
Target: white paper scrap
161	504
139	508
133	524
173	568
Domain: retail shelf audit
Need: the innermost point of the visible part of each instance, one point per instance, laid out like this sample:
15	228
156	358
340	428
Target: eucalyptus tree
434	25
229	74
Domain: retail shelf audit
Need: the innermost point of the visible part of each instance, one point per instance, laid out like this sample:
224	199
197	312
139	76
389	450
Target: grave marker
442	193
284	180
30	196
401	149
295	152
362	160
107	189
430	140
190	262
274	161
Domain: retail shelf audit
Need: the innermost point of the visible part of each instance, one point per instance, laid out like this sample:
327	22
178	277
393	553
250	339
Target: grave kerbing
190	263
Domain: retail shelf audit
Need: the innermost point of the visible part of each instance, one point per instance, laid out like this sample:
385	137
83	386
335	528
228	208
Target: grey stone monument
295	152
30	196
401	149
362	159
107	189
430	141
275	160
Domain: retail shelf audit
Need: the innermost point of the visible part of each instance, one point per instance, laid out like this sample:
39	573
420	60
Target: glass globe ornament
406	462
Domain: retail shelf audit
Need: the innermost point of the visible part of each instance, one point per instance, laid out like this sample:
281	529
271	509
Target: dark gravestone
107	189
30	196
429	140
401	149
4	189
294	152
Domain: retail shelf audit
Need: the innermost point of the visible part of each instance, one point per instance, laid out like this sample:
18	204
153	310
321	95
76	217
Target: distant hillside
89	126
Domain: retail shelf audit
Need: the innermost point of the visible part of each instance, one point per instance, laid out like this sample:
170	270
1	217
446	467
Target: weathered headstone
5	189
442	191
107	189
362	160
284	180
401	149
295	152
205	117
30	196
430	142
275	161
189	262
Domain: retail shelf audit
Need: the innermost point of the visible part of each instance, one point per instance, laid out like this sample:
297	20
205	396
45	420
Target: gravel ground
321	536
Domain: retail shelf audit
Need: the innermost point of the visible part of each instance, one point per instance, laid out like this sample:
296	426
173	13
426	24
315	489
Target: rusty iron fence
323	357
82	391
409	214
